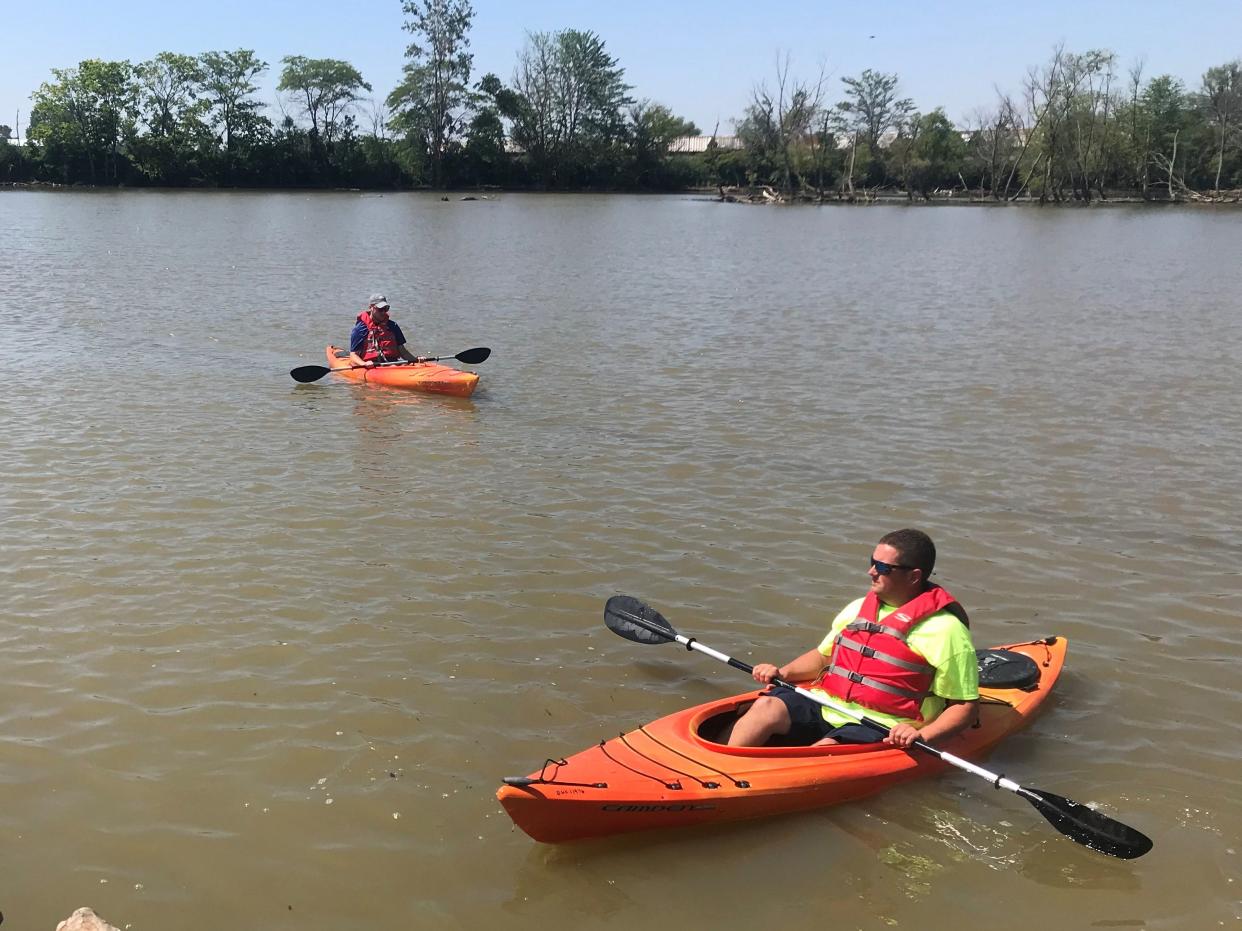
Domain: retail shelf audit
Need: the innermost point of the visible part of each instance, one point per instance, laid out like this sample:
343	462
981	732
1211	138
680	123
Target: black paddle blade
628	617
473	356
308	373
1087	826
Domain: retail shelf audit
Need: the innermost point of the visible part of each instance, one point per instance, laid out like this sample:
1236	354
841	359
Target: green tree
938	154
569	117
872	107
84	116
592	88
432	102
493	93
327	90
485	159
227	85
168	92
651	128
169	105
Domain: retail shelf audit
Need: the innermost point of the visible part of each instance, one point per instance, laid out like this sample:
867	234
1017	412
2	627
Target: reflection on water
270	647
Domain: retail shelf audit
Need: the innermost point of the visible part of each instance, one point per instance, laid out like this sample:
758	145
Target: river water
269	648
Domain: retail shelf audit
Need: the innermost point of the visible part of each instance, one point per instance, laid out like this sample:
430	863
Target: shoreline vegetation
763	195
1081	129
964	198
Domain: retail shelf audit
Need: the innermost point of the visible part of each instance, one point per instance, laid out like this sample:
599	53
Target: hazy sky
701	59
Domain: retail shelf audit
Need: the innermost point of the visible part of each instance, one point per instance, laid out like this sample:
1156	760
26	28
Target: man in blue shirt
376	339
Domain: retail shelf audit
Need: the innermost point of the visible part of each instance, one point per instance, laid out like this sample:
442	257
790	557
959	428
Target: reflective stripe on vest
873	666
888	658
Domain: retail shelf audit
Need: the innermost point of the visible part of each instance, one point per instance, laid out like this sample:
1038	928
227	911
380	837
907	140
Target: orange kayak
422	376
673	772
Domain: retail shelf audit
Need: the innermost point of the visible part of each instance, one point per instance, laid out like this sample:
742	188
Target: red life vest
871	664
380	345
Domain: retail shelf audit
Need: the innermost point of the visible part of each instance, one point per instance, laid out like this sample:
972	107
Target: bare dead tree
1139	131
1087	100
1046	102
783	120
1221	101
994	138
376	113
1168	164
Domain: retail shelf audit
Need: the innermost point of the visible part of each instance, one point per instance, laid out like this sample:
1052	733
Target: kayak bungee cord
635	750
1044	642
737	783
542	779
992	700
603	748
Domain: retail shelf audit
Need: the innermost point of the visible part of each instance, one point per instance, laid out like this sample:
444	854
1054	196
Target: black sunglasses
884	568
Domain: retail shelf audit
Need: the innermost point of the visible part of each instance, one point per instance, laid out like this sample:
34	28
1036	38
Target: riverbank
760	195
766	195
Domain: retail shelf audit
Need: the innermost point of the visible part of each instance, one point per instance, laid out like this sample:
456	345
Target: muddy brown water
269	648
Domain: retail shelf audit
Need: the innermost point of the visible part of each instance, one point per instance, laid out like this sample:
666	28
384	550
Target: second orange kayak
675	772
422	376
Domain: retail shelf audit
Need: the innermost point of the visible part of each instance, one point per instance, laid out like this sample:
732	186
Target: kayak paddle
309	373
632	619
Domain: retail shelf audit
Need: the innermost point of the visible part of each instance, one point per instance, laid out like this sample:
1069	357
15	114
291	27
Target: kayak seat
1007	669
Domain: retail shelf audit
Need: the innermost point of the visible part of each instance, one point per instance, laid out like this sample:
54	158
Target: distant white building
696	145
682	145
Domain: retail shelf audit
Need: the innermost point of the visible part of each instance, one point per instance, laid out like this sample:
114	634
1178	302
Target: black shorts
808	725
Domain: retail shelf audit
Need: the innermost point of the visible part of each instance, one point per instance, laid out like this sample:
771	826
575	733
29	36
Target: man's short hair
914	547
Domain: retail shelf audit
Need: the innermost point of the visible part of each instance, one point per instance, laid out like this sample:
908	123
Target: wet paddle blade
630	618
1087	826
309	373
473	356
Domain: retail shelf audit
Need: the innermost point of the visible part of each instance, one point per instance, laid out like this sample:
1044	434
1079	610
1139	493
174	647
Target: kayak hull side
423	376
667	775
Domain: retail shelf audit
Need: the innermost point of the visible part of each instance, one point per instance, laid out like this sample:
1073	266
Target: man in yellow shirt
901	655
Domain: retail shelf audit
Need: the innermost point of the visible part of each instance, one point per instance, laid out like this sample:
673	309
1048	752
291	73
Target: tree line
1077	131
566	119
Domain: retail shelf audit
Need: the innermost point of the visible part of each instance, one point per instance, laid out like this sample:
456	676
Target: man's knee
770	710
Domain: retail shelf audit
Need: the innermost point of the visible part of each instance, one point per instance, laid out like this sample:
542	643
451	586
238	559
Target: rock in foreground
85	919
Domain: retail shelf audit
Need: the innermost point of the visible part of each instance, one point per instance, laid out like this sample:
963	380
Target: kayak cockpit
710	727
